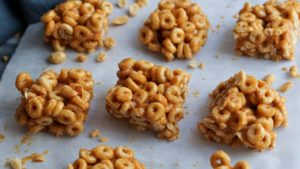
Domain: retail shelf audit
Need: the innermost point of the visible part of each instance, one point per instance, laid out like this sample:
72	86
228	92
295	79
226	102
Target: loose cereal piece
2	137
175	29
202	66
55	102
121	20
286	86
104	156
122	3
109	42
103	139
35	158
244	111
5	58
142	3
95	133
270	78
79	24
268	30
293	71
221	160
133	9
193	64
149	97
101	57
14	163
57	57
81	58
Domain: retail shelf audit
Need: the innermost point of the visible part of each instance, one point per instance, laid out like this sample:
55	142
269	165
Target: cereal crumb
95	133
196	93
201	66
81	58
236	16
284	69
193	64
293	71
103	139
270	78
14	163
5	58
142	3
101	57
26	139
133	9
35	157
57	57
109	42
2	137
286	86
122	3
17	148
121	20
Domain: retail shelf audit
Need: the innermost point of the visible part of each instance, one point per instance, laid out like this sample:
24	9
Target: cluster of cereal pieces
269	30
245	111
78	24
105	157
149	96
221	160
54	102
178	28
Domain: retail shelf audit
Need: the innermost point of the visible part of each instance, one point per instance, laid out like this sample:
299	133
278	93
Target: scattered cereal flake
133	9
5	58
95	133
57	57
35	157
109	42
236	16
293	71
81	58
101	57
201	66
193	64
14	163
270	78
121	20
103	139
196	93
17	148
218	26
286	86
2	137
122	3
25	139
142	3
284	69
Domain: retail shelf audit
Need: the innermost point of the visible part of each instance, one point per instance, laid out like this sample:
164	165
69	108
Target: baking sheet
188	152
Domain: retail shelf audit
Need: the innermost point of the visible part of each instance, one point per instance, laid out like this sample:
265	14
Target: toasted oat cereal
133	9
193	64
103	139
221	160
142	3
175	29
109	42
95	133
101	57
268	30
55	102
122	3
244	111
293	71
149	97
270	78
121	20
104	156
81	58
57	57
286	86
79	24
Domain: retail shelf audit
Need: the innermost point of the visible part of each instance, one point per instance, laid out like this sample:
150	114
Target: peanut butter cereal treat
55	102
106	157
177	28
79	24
221	160
269	30
149	96
244	111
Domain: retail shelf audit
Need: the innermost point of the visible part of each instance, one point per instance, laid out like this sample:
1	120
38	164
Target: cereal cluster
269	30
178	28
105	157
78	24
54	102
221	160
245	111
150	96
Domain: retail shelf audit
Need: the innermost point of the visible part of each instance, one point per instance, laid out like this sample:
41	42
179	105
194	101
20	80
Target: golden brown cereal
105	157
149	96
95	133
202	66
142	3
268	30
101	57
79	24
109	42
2	137
122	3
55	102
244	111
193	64
133	9
286	86
221	160
294	71
176	29
103	139
121	20
81	58
270	78
14	163
57	57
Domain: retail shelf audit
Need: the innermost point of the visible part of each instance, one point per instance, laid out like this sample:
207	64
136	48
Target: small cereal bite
149	96
55	102
244	111
221	160
269	30
106	157
79	24
177	28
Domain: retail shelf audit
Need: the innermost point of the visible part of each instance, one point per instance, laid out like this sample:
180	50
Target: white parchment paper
188	152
